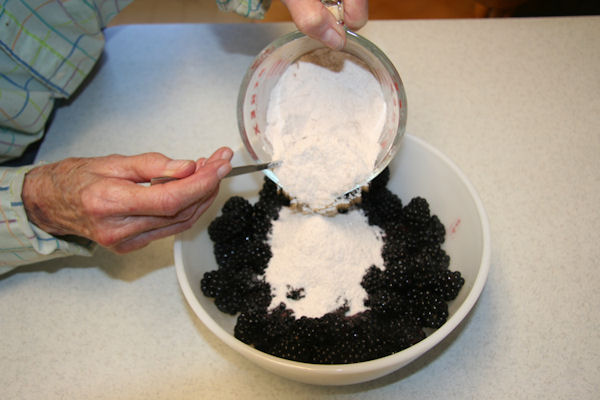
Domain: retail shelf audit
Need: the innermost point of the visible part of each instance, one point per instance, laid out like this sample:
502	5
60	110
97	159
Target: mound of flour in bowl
324	119
319	261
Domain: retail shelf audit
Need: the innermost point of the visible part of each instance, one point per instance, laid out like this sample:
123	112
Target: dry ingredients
324	120
325	257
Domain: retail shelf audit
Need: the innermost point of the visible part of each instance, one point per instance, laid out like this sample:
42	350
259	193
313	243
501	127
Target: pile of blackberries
409	294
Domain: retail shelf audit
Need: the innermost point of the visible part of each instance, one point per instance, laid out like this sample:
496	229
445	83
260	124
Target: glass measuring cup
270	64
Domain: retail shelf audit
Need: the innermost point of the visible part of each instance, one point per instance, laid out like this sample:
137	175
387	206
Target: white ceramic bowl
417	170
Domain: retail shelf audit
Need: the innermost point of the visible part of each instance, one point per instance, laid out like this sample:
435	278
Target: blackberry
250	324
399	333
229	255
257	295
396	246
382	207
227	228
446	284
235	291
237	206
429	310
230	304
424	267
235	221
399	277
436	232
272	194
295	294
262	215
372	281
307	329
433	256
211	284
230	296
269	190
259	253
278	324
387	303
416	213
268	209
252	254
380	181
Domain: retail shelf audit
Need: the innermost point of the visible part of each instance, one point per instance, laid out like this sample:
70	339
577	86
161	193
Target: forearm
21	242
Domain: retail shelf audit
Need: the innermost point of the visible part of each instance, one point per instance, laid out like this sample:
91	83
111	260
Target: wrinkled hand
100	198
313	19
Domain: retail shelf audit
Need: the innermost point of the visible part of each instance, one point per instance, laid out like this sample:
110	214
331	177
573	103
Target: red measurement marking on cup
278	67
256	130
261	57
396	88
253	114
454	226
253	99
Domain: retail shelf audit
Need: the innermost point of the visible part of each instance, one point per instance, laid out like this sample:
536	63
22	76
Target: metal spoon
244	169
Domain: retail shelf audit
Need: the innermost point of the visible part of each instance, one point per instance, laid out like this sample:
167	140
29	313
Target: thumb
315	20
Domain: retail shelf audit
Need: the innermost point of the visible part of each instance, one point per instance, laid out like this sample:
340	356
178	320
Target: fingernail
333	39
226	154
223	170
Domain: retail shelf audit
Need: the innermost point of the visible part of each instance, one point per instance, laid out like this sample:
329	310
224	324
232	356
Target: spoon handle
244	169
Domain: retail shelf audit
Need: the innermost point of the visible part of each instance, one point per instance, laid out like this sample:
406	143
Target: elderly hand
100	198
313	19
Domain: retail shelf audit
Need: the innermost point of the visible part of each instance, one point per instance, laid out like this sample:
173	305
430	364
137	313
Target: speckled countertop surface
513	102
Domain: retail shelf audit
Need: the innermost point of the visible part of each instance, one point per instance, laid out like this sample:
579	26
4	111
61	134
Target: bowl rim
386	362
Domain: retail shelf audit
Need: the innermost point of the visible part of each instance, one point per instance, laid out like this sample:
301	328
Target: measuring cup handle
335	7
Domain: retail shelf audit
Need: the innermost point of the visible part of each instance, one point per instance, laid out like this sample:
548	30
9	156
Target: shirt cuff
21	242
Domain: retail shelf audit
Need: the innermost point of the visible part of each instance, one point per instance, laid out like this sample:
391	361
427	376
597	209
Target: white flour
325	116
327	257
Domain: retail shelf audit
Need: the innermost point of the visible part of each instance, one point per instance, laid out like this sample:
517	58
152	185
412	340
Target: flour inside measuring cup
324	119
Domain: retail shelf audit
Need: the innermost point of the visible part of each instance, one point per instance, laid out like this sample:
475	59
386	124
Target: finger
117	230
170	198
143	167
313	19
201	162
223	153
143	239
356	13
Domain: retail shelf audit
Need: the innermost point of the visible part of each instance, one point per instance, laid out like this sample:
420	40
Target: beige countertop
513	102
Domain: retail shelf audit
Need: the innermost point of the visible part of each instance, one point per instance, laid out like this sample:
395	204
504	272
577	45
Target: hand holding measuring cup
325	20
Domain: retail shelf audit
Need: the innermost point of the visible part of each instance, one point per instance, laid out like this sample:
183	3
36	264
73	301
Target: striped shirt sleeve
255	9
21	242
47	49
